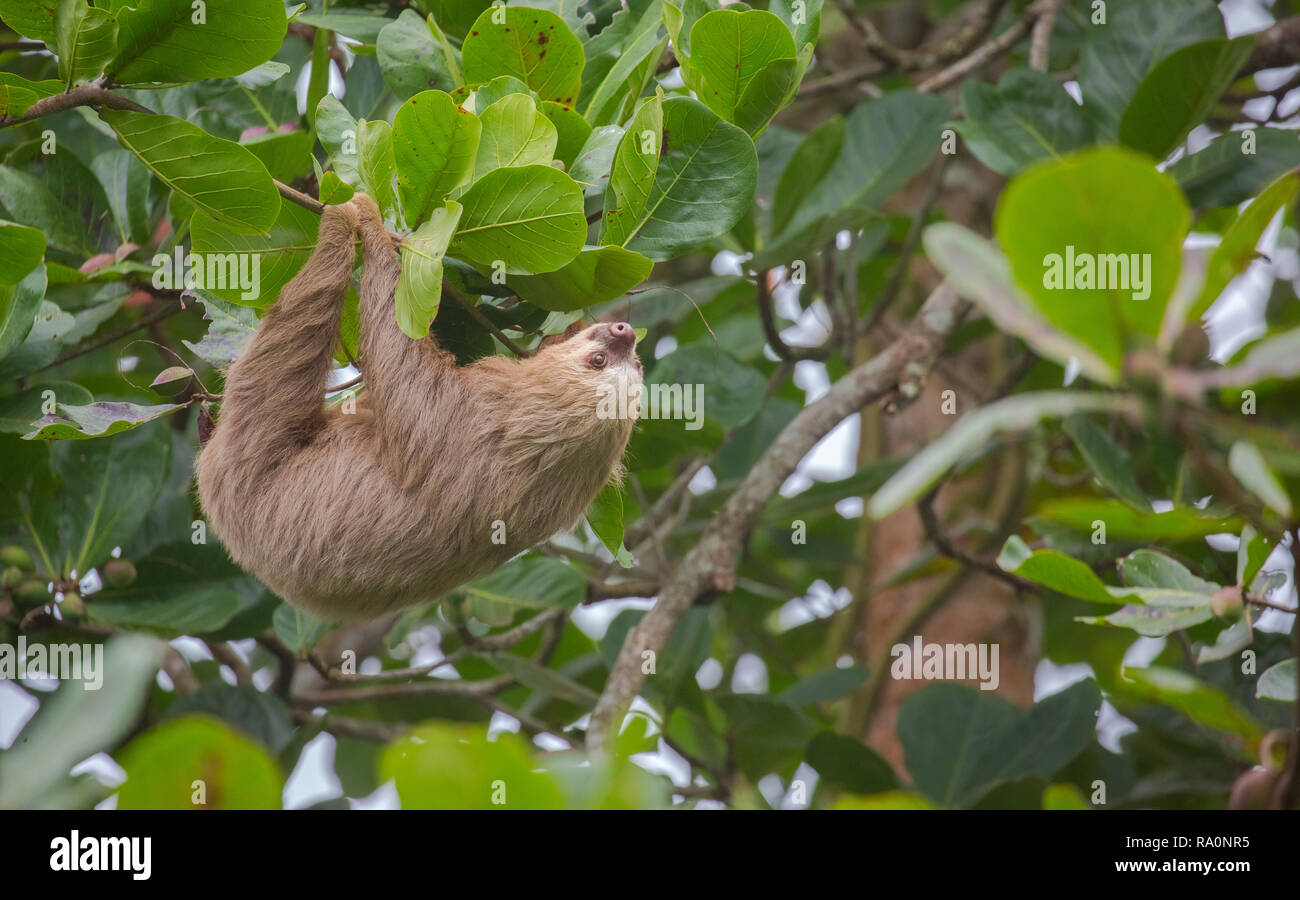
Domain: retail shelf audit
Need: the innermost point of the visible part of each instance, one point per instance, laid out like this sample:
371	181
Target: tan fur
351	516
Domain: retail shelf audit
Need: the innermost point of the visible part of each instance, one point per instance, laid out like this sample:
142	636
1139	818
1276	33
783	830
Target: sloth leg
273	393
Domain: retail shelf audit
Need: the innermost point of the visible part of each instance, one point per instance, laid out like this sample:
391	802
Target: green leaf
543	680
17	94
1193	697
732	392
1252	470
180	588
572	131
98	419
1252	552
742	65
595	275
169	41
1153	621
86	38
828	684
1056	571
446	766
1059	225
18	307
1109	461
163	764
18	411
620	63
230	184
849	764
1179	93
414	56
605	516
974	429
535	582
1147	568
1236	166
1276	683
31	18
1237	250
770	735
337	131
632	172
286	154
515	133
299	631
229	331
1027	117
77	721
886	143
419	289
434	143
259	715
533	45
978	271
704	179
959	743
530	218
592	164
1124	522
1138	34
375	163
808	165
359	26
279	254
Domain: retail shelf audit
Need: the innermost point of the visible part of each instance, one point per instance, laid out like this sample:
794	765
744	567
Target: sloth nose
621	335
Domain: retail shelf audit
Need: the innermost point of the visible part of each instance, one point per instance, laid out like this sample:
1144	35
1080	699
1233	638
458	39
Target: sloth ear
552	339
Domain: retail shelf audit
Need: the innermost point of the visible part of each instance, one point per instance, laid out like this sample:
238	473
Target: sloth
440	474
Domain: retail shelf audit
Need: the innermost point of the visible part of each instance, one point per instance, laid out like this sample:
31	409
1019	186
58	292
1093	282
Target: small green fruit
118	573
12	555
32	592
72	603
12	577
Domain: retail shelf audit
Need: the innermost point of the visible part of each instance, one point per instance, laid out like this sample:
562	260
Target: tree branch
709	567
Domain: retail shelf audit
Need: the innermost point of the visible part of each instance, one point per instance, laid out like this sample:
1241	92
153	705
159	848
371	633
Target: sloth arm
272	398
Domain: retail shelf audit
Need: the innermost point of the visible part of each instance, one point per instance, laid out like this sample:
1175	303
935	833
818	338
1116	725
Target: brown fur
350	516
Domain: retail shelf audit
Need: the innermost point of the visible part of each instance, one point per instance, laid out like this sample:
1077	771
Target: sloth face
611	348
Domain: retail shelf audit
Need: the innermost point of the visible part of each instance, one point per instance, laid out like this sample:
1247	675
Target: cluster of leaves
538	161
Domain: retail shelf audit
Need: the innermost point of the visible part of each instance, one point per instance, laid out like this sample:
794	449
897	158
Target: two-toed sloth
441	474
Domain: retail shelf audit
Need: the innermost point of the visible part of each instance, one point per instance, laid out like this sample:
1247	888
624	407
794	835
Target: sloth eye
598	360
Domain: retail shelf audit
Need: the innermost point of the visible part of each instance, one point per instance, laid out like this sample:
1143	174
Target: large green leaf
704	180
1137	35
632	172
163	764
972	430
1278	682
1236	166
616	62
1067	227
529	218
808	164
533	582
434	142
515	133
742	65
79	721
173	40
375	163
886	143
18	306
17	94
86	39
732	393
978	271
279	254
414	56
595	275
217	177
1028	116
533	45
95	420
419	289
180	588
1179	93
1193	697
